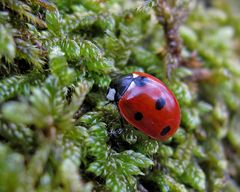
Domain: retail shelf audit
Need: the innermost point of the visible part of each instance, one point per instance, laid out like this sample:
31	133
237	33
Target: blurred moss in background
57	59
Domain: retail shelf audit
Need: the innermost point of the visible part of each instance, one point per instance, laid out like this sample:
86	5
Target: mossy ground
57	59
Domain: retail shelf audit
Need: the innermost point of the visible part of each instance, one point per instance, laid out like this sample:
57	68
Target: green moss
57	59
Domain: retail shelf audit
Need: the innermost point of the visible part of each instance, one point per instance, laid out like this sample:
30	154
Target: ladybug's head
118	87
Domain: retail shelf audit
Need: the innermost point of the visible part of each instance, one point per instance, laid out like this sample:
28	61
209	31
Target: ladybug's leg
107	103
117	132
121	118
121	121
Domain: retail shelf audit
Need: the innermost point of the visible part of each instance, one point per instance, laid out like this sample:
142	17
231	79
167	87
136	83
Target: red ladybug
147	104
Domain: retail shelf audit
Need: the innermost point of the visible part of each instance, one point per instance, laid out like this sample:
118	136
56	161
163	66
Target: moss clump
56	61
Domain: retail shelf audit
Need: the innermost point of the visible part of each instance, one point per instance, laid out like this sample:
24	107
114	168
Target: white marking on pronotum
111	94
135	75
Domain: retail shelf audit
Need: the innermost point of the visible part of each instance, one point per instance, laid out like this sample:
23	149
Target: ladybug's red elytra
147	104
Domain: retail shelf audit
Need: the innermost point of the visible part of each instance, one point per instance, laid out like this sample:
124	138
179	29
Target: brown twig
171	17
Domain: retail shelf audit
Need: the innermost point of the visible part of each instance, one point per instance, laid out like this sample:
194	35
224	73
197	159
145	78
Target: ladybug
147	104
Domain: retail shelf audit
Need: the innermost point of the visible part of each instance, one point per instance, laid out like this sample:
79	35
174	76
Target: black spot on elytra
138	116
140	81
165	131
160	103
